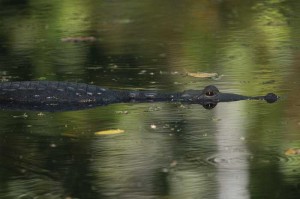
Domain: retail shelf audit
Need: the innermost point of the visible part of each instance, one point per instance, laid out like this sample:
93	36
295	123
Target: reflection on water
232	156
167	150
183	153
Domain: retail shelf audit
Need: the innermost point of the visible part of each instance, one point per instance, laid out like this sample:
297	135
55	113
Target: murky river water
246	149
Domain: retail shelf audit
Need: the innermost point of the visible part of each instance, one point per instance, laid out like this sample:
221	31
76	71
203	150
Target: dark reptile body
71	95
55	92
55	95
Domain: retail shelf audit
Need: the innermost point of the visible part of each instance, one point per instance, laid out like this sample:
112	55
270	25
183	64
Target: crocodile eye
209	93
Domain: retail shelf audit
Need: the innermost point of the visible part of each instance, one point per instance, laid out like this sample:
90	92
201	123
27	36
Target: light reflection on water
190	147
232	156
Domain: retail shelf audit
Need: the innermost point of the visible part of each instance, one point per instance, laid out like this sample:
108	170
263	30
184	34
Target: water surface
167	150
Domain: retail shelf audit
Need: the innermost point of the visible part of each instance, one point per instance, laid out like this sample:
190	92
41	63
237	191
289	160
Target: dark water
236	150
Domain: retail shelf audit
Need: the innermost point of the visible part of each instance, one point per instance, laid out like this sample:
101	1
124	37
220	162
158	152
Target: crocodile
63	96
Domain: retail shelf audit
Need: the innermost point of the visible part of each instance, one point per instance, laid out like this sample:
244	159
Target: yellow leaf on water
110	132
291	151
202	75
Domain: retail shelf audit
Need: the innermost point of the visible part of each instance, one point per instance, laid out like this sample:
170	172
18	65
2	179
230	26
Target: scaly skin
59	96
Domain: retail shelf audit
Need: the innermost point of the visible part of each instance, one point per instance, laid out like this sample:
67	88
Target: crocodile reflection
63	96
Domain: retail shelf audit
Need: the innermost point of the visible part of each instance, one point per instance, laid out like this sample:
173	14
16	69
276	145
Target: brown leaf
202	75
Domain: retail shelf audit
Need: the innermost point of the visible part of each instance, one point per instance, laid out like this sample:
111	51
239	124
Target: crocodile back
53	92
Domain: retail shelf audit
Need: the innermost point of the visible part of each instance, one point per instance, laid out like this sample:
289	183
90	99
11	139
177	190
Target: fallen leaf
53	145
292	151
78	39
173	163
121	112
110	132
153	126
20	116
40	114
42	78
202	75
70	135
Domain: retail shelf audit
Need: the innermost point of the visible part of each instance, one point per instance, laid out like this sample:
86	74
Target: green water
167	150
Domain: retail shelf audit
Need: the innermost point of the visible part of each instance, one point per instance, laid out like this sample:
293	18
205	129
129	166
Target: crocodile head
210	96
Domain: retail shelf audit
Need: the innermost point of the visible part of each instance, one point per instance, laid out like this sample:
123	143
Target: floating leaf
173	163
70	135
78	39
110	132
40	114
202	75
121	112
292	151
42	78
20	116
153	126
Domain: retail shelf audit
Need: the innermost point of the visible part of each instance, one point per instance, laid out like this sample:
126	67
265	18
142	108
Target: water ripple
229	161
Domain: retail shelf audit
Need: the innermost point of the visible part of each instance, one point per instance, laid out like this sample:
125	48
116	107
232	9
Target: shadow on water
56	174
